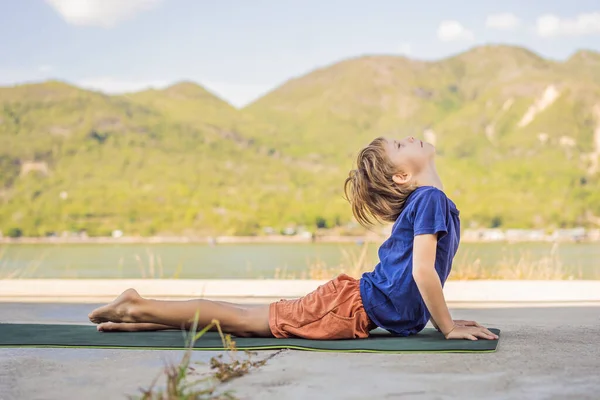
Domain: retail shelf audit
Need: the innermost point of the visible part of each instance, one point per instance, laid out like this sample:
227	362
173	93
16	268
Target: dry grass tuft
520	267
180	386
354	263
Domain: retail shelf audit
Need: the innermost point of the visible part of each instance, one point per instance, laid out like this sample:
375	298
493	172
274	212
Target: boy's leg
148	326
130	307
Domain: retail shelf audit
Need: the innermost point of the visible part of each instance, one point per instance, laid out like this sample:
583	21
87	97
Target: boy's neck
430	177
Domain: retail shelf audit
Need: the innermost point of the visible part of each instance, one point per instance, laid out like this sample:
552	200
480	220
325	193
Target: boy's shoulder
424	195
431	193
426	192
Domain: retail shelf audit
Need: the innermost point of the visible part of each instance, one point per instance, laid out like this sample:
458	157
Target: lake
259	261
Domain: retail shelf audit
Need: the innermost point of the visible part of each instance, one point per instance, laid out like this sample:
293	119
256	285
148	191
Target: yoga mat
42	335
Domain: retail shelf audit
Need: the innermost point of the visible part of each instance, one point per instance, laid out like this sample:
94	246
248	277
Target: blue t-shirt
389	293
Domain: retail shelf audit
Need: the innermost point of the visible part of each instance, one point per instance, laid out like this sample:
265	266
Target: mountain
586	64
510	127
357	98
78	160
517	136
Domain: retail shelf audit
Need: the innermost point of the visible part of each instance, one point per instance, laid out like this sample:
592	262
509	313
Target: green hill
518	141
585	64
517	135
73	159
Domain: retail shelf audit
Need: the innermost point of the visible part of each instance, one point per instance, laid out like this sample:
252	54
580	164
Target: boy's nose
411	139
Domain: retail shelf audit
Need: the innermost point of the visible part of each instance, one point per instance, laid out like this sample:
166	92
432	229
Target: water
225	261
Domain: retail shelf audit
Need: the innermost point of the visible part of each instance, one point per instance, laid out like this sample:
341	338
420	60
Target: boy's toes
118	327
95	317
107	327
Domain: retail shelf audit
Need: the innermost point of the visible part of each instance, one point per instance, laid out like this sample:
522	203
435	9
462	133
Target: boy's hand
457	322
470	332
462	322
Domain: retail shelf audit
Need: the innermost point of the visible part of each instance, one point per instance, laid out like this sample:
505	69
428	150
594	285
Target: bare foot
121	309
131	327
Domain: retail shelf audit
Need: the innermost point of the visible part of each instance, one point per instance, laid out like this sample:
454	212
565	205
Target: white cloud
450	30
103	13
115	86
550	25
502	21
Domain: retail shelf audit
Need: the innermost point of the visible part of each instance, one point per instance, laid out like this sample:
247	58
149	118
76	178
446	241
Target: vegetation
521	266
180	161
178	385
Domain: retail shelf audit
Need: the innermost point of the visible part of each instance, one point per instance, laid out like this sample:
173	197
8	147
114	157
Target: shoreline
214	240
219	240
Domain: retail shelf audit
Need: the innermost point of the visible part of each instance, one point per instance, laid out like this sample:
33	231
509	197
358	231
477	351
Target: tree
496	222
321	222
14	232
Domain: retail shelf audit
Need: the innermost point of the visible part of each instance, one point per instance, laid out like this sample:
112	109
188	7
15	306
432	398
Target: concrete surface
544	353
259	290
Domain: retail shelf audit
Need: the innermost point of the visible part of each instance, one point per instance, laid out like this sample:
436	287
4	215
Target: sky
242	49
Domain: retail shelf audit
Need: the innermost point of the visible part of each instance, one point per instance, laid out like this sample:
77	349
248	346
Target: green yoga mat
39	335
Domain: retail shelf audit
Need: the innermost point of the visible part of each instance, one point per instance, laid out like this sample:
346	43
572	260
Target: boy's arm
429	283
434	324
430	287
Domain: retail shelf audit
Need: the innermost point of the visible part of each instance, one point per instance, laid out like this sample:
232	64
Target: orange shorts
333	311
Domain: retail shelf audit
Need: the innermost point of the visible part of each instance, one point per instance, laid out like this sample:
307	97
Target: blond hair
370	189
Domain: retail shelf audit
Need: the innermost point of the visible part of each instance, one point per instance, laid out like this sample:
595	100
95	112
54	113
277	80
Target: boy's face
410	154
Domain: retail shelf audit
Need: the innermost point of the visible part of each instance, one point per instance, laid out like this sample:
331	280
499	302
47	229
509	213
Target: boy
395	181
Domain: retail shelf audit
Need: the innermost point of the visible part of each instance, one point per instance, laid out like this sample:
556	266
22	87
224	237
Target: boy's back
389	293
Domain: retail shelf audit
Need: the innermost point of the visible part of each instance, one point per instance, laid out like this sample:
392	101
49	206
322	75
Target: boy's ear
401	178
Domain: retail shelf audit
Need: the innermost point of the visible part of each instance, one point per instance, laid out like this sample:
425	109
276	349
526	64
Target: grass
6	272
510	267
180	383
521	267
153	268
354	262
